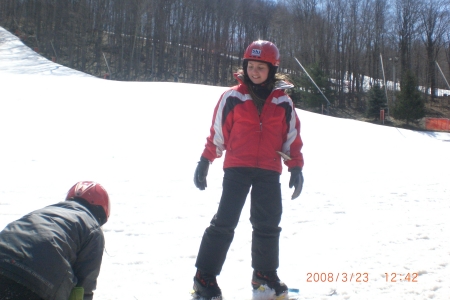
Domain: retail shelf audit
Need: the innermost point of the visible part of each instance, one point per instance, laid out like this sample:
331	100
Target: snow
375	198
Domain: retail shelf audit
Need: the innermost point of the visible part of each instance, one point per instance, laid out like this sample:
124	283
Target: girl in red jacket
255	123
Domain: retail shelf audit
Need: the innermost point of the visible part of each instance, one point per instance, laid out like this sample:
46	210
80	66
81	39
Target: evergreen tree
377	102
410	105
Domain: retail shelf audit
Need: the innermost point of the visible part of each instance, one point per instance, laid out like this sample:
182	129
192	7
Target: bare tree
379	24
202	41
435	21
406	24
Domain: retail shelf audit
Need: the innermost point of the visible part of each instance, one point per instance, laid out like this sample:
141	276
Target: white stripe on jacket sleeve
292	132
218	138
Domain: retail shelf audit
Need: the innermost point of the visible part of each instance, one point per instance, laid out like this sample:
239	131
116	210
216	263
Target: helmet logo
256	52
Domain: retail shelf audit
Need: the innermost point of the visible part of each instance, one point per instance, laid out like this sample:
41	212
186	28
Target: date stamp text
337	277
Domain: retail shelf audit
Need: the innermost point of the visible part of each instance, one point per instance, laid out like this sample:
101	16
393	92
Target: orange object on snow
440	124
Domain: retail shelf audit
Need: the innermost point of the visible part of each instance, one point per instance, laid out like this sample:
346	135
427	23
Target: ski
262	293
293	294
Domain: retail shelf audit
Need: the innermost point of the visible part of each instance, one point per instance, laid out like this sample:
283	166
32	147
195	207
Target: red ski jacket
252	140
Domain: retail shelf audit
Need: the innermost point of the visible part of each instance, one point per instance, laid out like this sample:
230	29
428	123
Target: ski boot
206	287
269	279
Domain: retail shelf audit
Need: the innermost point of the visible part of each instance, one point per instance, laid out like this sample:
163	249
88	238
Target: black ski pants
265	216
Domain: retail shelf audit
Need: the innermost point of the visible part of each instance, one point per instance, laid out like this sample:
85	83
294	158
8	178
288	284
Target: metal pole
384	80
110	75
442	73
394	88
56	56
328	102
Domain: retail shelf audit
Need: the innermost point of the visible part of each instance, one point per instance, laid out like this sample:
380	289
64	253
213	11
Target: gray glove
200	173
296	181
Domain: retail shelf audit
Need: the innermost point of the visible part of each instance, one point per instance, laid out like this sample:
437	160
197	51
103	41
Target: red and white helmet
263	51
93	193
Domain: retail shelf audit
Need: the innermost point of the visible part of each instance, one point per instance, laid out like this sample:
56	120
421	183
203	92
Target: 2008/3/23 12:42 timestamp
397	277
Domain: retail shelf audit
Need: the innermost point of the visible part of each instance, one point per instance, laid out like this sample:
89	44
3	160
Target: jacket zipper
259	144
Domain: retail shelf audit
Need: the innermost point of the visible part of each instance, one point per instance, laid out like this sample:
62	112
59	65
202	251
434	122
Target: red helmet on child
263	51
93	193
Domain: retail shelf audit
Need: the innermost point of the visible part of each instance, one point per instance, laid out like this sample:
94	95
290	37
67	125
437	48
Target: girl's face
257	71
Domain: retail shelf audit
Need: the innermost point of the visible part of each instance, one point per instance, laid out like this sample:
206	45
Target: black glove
201	172
296	181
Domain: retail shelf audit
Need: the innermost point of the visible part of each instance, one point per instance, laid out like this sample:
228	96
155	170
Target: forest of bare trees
202	41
